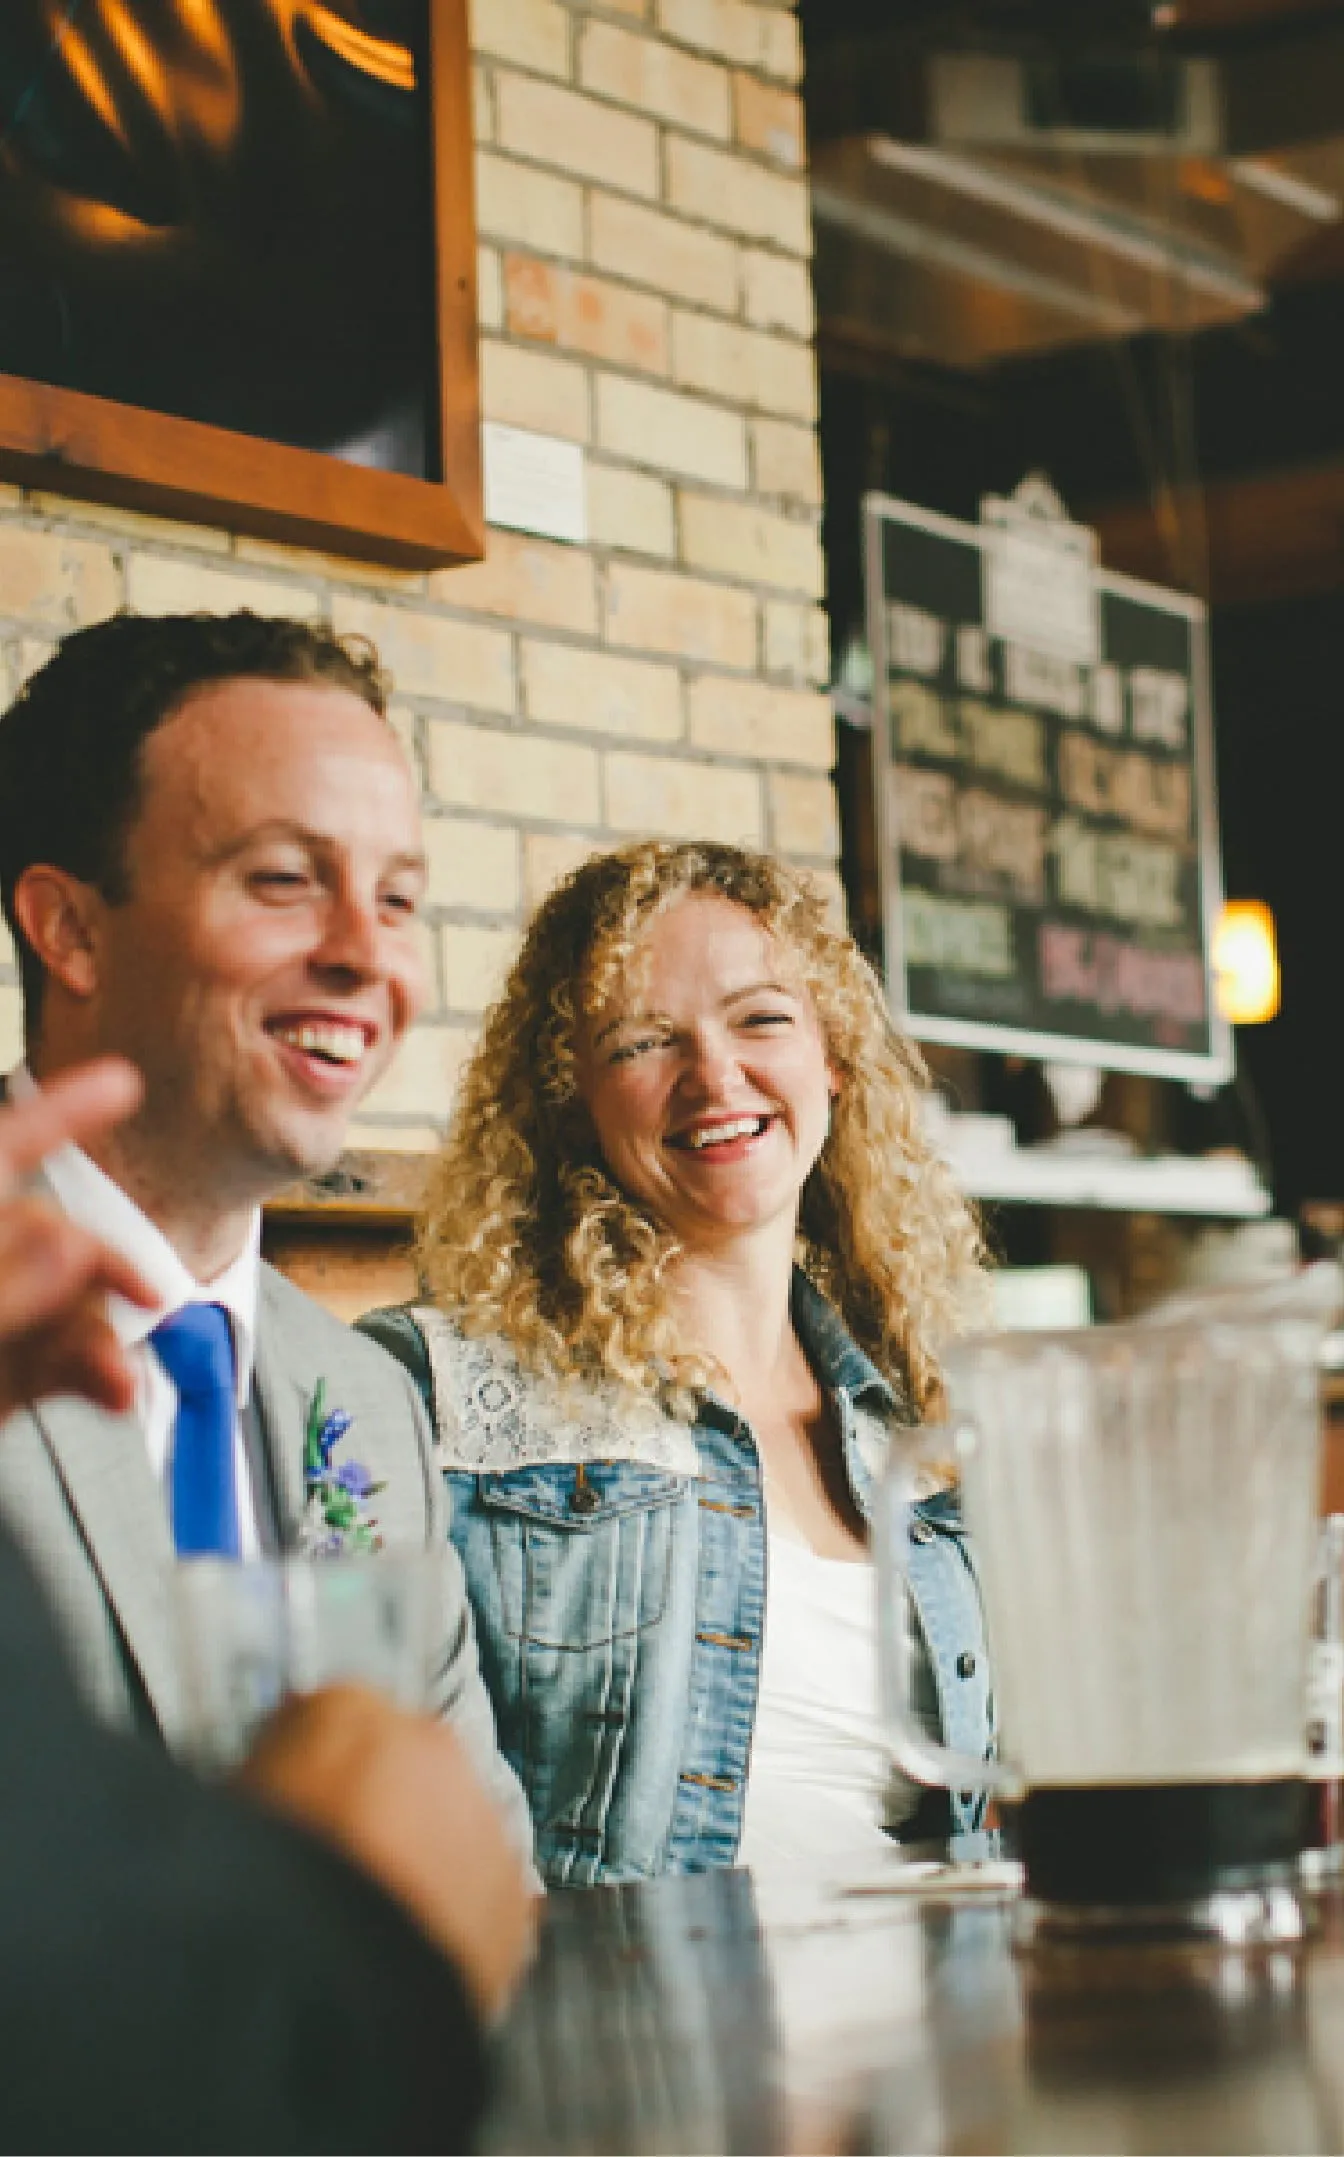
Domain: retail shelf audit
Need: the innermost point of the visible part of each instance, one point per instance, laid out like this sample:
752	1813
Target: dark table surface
706	2015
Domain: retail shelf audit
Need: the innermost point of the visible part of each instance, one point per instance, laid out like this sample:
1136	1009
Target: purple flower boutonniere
336	1522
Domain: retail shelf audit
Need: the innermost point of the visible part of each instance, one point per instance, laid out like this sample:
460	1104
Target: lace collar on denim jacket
494	1416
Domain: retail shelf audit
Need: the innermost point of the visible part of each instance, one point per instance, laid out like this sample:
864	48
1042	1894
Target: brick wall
644	290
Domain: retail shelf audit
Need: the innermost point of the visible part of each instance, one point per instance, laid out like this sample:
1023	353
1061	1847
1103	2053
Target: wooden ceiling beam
1236	541
1191	17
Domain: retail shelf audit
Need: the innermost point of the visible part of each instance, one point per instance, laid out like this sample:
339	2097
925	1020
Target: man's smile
329	1055
334	1041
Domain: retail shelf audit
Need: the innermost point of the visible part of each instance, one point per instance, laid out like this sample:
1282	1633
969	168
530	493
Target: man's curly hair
525	1232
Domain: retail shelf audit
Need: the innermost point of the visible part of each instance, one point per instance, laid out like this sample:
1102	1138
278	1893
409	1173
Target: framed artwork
237	266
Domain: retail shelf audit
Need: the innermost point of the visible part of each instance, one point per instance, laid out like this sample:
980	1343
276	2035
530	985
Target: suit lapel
282	1396
105	1472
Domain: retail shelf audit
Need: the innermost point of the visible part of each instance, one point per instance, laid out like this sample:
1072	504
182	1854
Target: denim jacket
616	1563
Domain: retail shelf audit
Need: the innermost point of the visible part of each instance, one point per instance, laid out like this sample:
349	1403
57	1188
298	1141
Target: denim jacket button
965	1664
583	1498
921	1531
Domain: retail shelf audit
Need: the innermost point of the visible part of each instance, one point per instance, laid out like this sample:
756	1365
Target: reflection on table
696	2015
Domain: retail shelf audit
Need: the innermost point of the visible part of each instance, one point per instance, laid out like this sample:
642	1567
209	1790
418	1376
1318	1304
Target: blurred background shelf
1214	1189
1104	1168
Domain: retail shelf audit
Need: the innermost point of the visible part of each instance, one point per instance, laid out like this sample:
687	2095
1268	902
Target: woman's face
707	1077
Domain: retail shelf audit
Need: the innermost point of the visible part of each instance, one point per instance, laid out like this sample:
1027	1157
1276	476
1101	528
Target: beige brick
471	865
586	314
526	580
549	855
637	9
803	817
630	510
734	193
532	33
482	107
786	461
782	45
559	127
8	955
534	389
28	655
733	29
754	719
513	774
669	798
654	610
775	374
427	656
11	1027
652	249
777	292
422	1078
533	209
673	433
762	37
164	584
11	497
49	579
475	961
130	523
489	289
797	641
312	563
367	1133
564	685
656	77
735	539
769	121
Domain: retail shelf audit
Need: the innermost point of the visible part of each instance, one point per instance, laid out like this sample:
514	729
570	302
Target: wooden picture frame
98	448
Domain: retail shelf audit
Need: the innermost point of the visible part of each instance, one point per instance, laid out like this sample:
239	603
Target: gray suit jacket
77	1490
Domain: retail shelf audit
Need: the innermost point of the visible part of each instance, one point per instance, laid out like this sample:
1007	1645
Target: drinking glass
251	1632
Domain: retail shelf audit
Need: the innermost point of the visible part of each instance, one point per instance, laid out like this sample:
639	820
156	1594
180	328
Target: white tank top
821	1786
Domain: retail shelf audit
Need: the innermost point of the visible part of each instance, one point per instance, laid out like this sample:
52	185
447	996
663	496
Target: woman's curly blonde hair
526	1234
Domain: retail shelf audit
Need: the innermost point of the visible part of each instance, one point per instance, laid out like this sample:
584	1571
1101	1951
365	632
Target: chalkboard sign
1046	822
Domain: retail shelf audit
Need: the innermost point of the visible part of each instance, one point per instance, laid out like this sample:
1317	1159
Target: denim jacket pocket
581	1552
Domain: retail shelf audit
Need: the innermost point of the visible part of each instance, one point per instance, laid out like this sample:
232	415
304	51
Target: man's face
266	961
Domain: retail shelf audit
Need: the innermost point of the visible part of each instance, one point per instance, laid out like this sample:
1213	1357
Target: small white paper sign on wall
534	483
1039	574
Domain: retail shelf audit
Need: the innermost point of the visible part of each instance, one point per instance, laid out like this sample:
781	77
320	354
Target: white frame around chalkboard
1212	1068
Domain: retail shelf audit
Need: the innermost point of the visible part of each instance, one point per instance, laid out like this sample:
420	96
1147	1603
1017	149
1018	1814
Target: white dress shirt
103	1208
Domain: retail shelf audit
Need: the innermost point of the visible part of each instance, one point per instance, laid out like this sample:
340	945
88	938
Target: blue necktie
195	1347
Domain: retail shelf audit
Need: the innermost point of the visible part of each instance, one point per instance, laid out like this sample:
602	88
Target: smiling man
210	858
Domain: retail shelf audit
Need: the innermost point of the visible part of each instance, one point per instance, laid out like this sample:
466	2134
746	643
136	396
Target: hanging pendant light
1246	963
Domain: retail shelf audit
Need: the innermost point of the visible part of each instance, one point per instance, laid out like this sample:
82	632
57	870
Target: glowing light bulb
1246	963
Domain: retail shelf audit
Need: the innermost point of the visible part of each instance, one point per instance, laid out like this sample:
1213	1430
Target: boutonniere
336	1518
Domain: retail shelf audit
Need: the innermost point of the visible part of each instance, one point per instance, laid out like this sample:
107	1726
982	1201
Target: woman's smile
729	1138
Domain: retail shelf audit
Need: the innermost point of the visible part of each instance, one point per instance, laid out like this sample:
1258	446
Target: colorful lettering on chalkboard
1049	846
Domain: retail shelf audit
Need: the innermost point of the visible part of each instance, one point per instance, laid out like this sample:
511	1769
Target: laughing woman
689	1260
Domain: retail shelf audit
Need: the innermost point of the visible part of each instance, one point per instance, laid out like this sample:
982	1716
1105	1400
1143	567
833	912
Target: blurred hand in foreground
54	1277
397	1794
